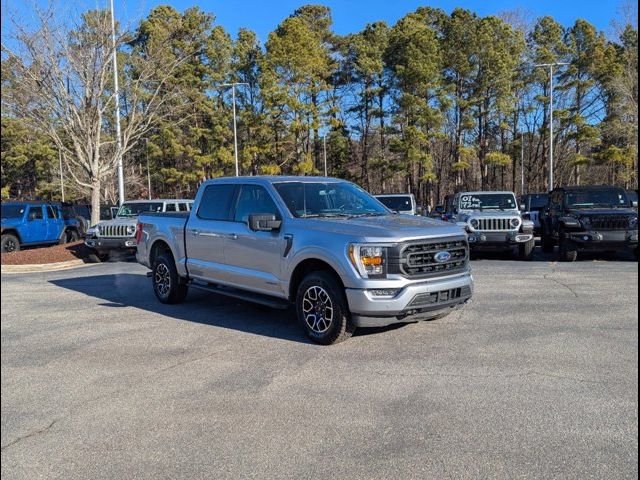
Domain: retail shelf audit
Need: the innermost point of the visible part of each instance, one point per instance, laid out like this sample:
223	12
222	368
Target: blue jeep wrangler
33	223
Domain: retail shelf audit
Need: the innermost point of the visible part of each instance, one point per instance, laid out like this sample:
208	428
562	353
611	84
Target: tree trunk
95	201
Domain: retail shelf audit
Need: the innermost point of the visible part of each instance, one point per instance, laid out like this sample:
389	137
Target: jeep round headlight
474	223
585	222
131	229
514	222
633	222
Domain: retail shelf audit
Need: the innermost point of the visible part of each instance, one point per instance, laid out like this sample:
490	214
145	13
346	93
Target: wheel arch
12	231
306	266
159	247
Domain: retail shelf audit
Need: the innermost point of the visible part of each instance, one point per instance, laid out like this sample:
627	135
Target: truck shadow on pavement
118	291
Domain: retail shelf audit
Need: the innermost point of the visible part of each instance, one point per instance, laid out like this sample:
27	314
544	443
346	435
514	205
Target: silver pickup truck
323	244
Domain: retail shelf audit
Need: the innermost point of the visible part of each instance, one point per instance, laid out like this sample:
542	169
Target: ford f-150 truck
325	245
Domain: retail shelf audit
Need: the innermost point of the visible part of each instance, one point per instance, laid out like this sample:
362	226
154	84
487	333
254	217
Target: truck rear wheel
323	310
167	284
10	243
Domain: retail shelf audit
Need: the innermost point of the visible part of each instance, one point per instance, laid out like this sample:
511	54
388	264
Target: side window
182	207
171	207
51	213
216	202
556	201
35	213
254	199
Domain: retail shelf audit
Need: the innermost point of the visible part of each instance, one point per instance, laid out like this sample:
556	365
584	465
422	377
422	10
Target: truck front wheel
525	250
568	250
10	243
323	310
167	284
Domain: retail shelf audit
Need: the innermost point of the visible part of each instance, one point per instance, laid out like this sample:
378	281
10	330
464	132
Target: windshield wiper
368	214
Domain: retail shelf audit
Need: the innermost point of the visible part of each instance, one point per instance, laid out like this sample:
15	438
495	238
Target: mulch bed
54	254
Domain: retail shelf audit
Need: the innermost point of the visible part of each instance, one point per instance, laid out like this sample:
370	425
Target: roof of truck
275	179
480	192
576	188
161	200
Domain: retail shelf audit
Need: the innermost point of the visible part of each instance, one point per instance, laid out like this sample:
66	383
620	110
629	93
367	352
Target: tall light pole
61	176
235	134
550	67
146	144
117	109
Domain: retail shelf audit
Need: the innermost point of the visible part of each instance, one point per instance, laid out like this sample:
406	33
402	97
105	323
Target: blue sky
263	16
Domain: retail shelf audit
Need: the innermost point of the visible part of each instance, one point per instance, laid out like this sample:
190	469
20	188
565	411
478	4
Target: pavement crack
547	277
30	434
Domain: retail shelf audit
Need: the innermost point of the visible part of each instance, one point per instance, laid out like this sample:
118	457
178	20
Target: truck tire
9	243
167	284
71	236
568	251
525	250
322	309
547	244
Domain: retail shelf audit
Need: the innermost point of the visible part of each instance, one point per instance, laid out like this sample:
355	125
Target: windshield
597	198
138	208
399	203
488	201
539	201
328	199
12	211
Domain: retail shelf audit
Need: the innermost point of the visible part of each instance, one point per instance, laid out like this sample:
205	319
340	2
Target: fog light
585	238
384	292
472	239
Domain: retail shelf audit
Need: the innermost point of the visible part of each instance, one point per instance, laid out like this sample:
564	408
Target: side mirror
523	207
264	222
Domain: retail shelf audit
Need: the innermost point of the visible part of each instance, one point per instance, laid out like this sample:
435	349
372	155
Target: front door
206	231
254	259
37	227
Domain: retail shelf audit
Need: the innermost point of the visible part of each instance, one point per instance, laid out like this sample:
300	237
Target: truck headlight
514	222
369	260
474	223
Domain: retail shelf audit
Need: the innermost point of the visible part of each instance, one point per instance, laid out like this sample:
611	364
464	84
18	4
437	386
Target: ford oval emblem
442	257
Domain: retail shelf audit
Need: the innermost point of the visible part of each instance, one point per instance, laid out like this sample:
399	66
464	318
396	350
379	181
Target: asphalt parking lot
536	378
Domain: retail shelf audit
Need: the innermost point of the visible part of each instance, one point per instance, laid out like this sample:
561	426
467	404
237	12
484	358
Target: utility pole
550	66
522	162
117	109
235	134
324	148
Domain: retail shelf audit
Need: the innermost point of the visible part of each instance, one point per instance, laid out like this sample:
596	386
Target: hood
11	222
584	212
395	228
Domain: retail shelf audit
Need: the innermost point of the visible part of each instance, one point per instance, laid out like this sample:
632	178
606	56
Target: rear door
206	231
36	231
55	224
254	258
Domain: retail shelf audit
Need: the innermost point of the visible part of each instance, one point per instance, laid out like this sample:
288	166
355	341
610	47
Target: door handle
194	231
233	236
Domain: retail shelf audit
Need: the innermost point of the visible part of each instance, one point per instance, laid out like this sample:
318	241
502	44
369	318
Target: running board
258	298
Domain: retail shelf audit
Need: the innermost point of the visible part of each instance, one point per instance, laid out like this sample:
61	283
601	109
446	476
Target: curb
43	267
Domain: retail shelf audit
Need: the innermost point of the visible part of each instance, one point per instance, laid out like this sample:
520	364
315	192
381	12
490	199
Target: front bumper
479	240
109	244
416	301
605	240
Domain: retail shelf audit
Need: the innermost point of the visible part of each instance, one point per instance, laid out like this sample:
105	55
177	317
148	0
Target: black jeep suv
596	219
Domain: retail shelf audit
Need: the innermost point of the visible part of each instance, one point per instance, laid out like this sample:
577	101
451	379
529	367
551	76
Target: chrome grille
610	222
115	231
494	224
418	259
